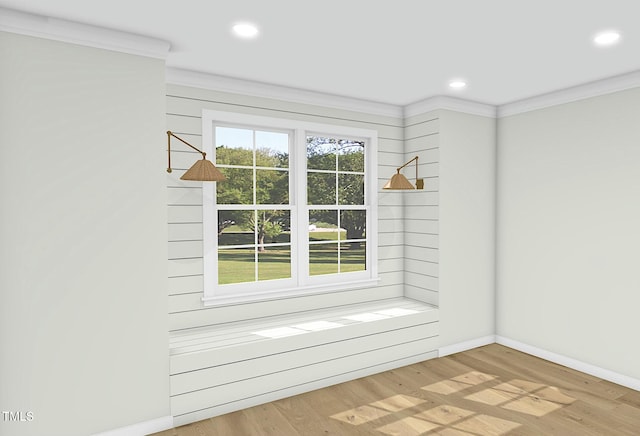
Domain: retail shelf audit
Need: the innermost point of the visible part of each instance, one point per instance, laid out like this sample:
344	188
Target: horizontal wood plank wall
184	199
228	368
407	249
421	225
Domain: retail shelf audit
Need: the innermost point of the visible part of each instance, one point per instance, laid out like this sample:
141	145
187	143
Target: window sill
212	301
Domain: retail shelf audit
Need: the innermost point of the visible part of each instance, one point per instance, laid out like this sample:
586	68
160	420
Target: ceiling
396	52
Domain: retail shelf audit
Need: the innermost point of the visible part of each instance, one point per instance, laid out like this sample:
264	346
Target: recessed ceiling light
457	84
609	37
245	30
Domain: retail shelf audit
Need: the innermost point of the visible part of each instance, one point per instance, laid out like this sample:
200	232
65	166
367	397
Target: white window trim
320	284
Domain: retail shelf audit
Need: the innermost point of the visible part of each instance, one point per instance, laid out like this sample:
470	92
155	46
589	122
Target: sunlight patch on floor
487	425
442	419
408	426
492	397
398	403
445	415
378	409
459	383
449	420
521	396
361	415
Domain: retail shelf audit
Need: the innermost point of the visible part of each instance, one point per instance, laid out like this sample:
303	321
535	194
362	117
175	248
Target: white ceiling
395	52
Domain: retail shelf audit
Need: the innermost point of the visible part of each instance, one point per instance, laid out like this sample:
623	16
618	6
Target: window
254	207
335	203
297	213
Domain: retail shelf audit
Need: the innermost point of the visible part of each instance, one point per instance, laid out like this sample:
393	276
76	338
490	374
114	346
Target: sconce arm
169	135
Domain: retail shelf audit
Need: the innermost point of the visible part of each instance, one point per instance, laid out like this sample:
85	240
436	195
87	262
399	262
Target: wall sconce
203	170
398	181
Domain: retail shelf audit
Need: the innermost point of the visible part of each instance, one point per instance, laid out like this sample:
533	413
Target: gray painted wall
568	230
467	227
83	318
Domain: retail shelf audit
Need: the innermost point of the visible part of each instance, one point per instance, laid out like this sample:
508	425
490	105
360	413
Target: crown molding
450	103
213	82
574	93
82	34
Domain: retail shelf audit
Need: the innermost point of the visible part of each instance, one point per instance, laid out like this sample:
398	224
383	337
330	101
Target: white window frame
299	284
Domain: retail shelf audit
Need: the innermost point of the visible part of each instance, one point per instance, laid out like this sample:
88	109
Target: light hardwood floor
491	390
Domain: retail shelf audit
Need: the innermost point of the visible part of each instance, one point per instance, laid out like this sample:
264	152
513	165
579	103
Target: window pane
353	256
351	156
237	189
272	187
273	227
272	149
274	263
323	225
234	146
321	153
321	188
323	259
236	265
234	227
354	222
350	189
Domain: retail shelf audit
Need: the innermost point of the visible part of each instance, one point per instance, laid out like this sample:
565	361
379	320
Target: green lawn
237	265
243	238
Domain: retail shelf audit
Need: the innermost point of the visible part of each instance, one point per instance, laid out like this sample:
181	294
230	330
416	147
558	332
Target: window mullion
256	216
337	202
210	217
300	182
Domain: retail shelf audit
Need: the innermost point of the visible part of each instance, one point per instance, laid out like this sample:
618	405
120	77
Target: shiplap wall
398	212
227	368
407	261
421	214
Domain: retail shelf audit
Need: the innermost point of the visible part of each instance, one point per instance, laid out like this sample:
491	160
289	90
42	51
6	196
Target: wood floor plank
589	413
266	420
518	365
310	414
200	428
170	432
632	398
490	390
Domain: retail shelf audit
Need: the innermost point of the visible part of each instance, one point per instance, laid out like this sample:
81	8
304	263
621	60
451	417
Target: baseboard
593	370
142	428
466	345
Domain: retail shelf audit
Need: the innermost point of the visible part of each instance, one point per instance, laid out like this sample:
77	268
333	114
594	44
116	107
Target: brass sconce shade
203	170
399	181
